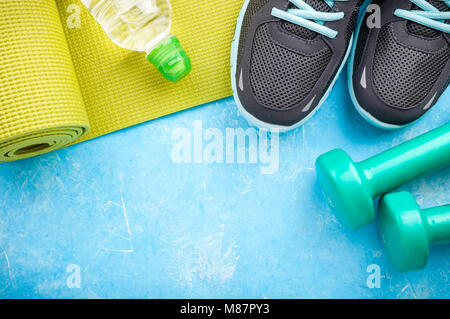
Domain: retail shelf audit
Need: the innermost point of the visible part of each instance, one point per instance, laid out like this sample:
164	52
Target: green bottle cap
170	59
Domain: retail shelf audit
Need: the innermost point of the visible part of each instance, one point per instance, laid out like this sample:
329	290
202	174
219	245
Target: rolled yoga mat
63	80
41	106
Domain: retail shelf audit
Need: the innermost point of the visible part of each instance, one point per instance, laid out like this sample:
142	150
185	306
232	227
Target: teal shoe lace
430	16
309	18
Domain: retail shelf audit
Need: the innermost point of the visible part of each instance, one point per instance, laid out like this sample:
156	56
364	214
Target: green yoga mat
63	80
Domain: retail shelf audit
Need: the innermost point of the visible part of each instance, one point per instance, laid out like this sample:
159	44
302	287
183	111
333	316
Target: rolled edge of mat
39	142
41	104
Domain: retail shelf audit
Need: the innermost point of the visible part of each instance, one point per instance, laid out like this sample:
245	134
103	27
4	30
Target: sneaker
287	55
399	69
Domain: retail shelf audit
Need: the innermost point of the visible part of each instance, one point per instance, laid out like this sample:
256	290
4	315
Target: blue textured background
139	225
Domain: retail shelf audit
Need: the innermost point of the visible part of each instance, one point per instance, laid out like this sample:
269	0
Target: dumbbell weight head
345	188
403	232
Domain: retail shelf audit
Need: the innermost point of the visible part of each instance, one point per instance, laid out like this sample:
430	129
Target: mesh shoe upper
402	68
284	68
403	76
281	78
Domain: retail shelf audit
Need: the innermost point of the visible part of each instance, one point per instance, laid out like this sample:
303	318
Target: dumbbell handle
399	165
437	223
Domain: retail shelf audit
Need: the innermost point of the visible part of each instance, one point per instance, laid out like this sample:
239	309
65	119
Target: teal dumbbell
351	187
407	231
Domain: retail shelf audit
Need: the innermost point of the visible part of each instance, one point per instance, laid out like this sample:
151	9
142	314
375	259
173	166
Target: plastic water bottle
143	25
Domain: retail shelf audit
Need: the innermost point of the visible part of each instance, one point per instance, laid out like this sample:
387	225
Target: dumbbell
407	231
351	187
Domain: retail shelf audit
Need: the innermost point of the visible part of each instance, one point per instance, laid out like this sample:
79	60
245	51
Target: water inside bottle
137	25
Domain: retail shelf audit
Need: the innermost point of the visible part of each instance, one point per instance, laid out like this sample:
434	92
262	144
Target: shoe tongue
319	5
304	33
422	30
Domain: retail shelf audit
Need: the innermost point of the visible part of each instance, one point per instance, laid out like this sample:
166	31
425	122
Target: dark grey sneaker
286	57
399	69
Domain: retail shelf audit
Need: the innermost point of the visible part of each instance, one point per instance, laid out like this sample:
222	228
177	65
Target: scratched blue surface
117	217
